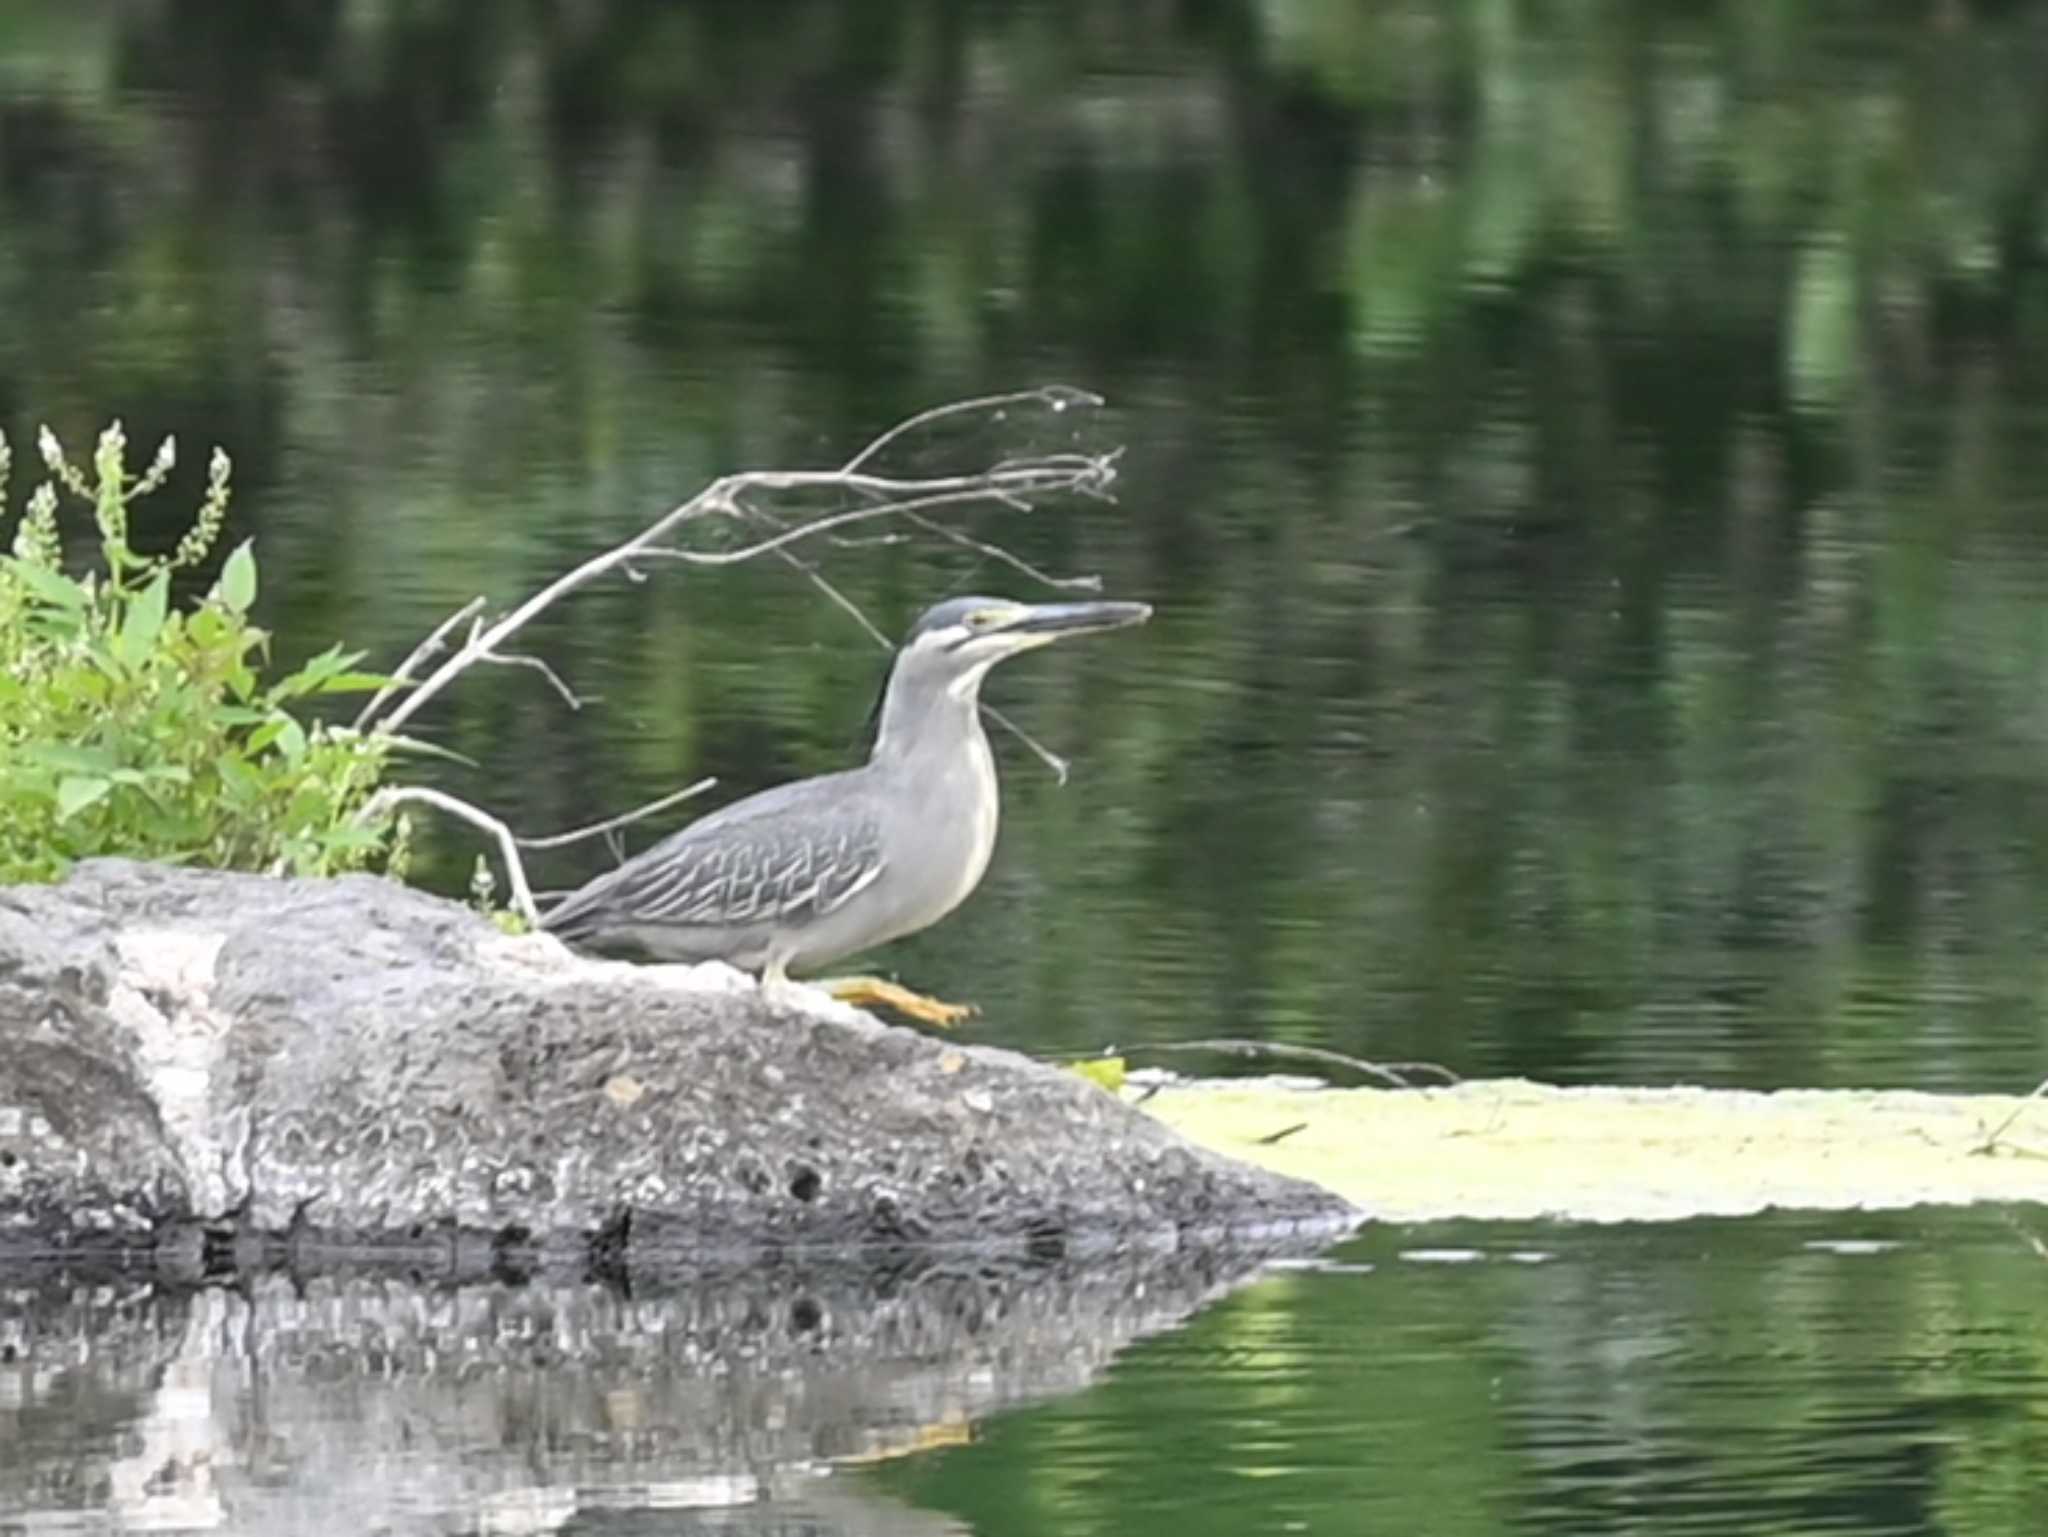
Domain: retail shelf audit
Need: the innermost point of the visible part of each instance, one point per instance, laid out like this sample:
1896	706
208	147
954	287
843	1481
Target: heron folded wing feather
748	874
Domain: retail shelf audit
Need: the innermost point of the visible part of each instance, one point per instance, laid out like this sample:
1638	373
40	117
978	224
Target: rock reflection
374	1402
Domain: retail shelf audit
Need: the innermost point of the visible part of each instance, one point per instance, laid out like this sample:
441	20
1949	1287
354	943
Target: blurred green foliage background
1587	455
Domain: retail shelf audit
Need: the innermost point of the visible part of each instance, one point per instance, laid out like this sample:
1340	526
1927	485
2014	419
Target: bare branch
1018	479
1088	582
1991	1142
817	579
569	695
1057	397
954	492
855	496
1395	1075
508	850
612	824
1045	755
420	653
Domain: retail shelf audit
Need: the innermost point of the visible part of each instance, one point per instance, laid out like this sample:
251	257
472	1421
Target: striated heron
801	875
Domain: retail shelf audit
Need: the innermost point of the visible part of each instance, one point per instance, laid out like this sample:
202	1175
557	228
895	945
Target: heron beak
1043	622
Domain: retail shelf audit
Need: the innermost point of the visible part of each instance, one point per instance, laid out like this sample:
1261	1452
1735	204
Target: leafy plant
132	725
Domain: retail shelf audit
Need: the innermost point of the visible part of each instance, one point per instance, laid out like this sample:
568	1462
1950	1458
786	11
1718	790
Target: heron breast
963	824
985	815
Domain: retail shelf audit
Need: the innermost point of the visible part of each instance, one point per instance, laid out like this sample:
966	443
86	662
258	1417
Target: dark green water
1588	461
1774	1377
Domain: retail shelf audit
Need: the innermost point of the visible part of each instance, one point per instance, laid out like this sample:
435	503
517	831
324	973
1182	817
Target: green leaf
167	773
145	619
75	760
353	683
237	585
1106	1071
354	837
52	587
239	777
75	792
328	673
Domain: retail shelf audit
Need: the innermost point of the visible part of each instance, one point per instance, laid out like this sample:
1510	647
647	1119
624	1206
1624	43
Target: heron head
953	644
960	639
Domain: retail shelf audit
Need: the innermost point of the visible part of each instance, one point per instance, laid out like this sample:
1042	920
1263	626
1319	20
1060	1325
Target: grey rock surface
221	1065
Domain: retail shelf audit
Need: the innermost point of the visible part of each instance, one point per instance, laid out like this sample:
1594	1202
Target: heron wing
754	874
752	863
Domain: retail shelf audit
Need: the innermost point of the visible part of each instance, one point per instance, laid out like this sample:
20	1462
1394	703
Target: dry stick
1056	473
1392	1074
781	542
1058	396
420	653
1085	583
1990	1143
1012	482
519	659
954	491
508	846
1052	760
624	819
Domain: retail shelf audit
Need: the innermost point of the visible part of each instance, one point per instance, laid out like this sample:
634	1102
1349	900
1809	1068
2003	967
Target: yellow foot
867	991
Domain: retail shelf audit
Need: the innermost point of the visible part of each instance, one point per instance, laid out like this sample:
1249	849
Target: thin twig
1065	472
1052	760
569	695
1990	1143
953	492
2027	1235
420	653
508	846
1058	397
1274	1139
1088	582
612	824
1395	1075
852	609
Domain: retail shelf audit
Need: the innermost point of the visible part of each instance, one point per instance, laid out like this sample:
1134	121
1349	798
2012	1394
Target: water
1586	459
1780	1375
1775	1375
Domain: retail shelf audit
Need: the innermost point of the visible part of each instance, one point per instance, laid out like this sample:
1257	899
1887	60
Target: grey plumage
770	857
805	873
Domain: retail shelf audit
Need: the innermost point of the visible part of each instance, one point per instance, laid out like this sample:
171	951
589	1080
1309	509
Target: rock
225	1065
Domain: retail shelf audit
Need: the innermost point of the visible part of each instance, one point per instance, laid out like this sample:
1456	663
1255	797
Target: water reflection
357	1402
1769	1376
1778	1374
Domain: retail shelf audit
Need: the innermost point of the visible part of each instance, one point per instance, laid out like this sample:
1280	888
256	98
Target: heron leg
866	991
777	987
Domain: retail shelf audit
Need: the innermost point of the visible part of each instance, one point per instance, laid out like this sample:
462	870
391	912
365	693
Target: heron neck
925	717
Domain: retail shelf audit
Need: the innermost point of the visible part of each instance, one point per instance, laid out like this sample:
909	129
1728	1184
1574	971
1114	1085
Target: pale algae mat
1513	1149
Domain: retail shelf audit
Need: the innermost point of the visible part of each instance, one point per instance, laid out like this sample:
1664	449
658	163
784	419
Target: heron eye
981	619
